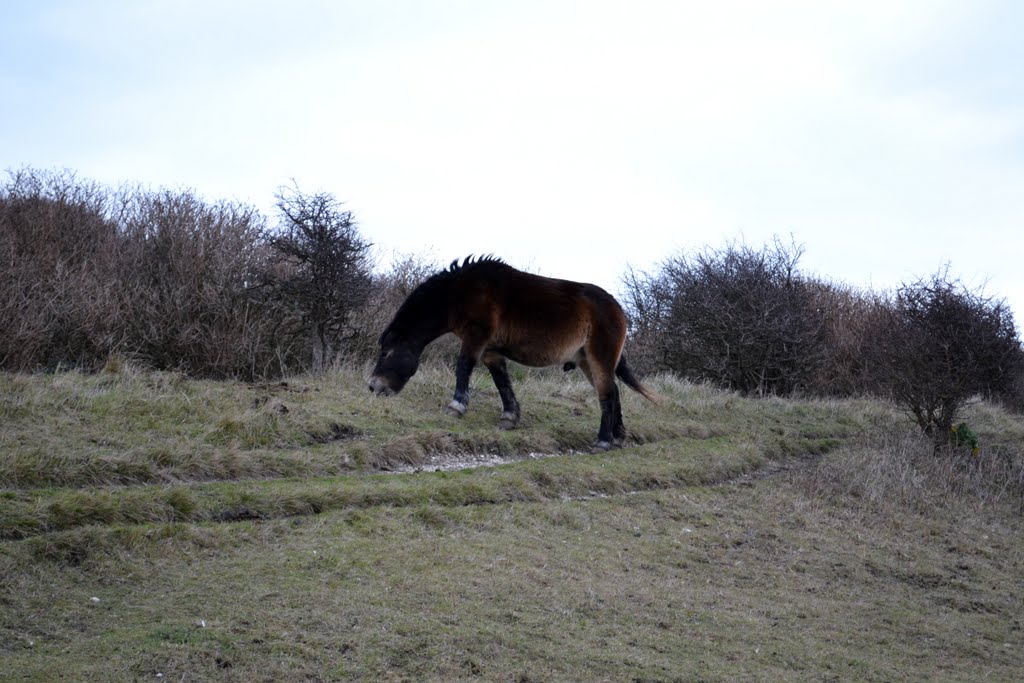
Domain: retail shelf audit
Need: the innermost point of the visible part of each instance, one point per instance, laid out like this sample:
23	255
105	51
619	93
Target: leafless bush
741	317
854	322
1012	394
57	244
163	278
321	273
185	286
945	345
647	298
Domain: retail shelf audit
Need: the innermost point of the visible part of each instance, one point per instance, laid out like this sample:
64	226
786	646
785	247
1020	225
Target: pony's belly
541	358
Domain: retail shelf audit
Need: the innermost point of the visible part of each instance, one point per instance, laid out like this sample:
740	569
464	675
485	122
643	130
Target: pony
501	314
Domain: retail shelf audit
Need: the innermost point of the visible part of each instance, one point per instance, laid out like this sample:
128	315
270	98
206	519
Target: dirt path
452	462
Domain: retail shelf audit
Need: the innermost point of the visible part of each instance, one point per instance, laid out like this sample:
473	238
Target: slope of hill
159	528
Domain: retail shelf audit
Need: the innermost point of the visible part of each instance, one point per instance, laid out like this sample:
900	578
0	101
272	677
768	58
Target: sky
573	139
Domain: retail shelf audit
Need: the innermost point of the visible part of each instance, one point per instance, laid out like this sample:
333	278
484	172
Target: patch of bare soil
451	462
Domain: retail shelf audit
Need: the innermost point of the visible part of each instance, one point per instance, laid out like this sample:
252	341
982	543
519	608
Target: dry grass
743	540
900	470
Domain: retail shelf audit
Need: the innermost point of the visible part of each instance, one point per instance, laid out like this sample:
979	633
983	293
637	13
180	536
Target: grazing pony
501	313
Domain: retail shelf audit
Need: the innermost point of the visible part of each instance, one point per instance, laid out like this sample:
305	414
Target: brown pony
501	313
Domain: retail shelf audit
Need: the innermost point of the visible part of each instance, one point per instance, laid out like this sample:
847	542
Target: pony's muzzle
379	387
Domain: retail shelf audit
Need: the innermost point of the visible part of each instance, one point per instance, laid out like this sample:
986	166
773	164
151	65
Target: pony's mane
468	263
455	266
426	296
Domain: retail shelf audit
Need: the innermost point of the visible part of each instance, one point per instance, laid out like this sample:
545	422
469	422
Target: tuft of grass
902	470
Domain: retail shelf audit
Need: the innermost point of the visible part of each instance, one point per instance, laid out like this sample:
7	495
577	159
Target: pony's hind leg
509	405
611	433
618	426
611	418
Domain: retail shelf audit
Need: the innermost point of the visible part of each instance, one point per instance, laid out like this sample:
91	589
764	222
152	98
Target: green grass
157	528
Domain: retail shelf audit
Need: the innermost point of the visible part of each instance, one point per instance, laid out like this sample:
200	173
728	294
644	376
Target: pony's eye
389	353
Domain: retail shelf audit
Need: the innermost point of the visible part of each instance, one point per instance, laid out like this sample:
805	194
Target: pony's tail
625	373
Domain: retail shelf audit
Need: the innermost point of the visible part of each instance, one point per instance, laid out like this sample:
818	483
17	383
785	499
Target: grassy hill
154	527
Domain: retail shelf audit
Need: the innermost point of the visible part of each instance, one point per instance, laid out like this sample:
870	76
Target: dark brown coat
502	313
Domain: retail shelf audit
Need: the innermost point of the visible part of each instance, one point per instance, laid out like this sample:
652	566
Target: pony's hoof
456	409
600	447
508	421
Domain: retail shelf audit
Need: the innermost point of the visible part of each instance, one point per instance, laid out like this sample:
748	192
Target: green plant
964	437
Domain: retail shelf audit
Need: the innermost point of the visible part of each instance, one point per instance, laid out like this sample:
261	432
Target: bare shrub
738	316
321	273
186	273
646	299
1012	394
57	246
163	278
854	322
945	345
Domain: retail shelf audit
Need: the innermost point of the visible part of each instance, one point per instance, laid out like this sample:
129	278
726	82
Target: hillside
154	527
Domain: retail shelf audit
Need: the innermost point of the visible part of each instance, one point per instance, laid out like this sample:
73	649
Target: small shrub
1012	394
170	281
945	345
321	272
964	438
741	317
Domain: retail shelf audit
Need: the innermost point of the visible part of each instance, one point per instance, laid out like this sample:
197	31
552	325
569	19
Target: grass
158	528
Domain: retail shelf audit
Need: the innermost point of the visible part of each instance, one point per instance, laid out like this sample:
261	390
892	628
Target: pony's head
421	318
397	362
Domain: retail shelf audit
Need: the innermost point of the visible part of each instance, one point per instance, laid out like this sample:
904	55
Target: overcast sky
570	138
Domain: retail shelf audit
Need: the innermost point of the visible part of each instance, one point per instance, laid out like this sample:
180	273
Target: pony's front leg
463	369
